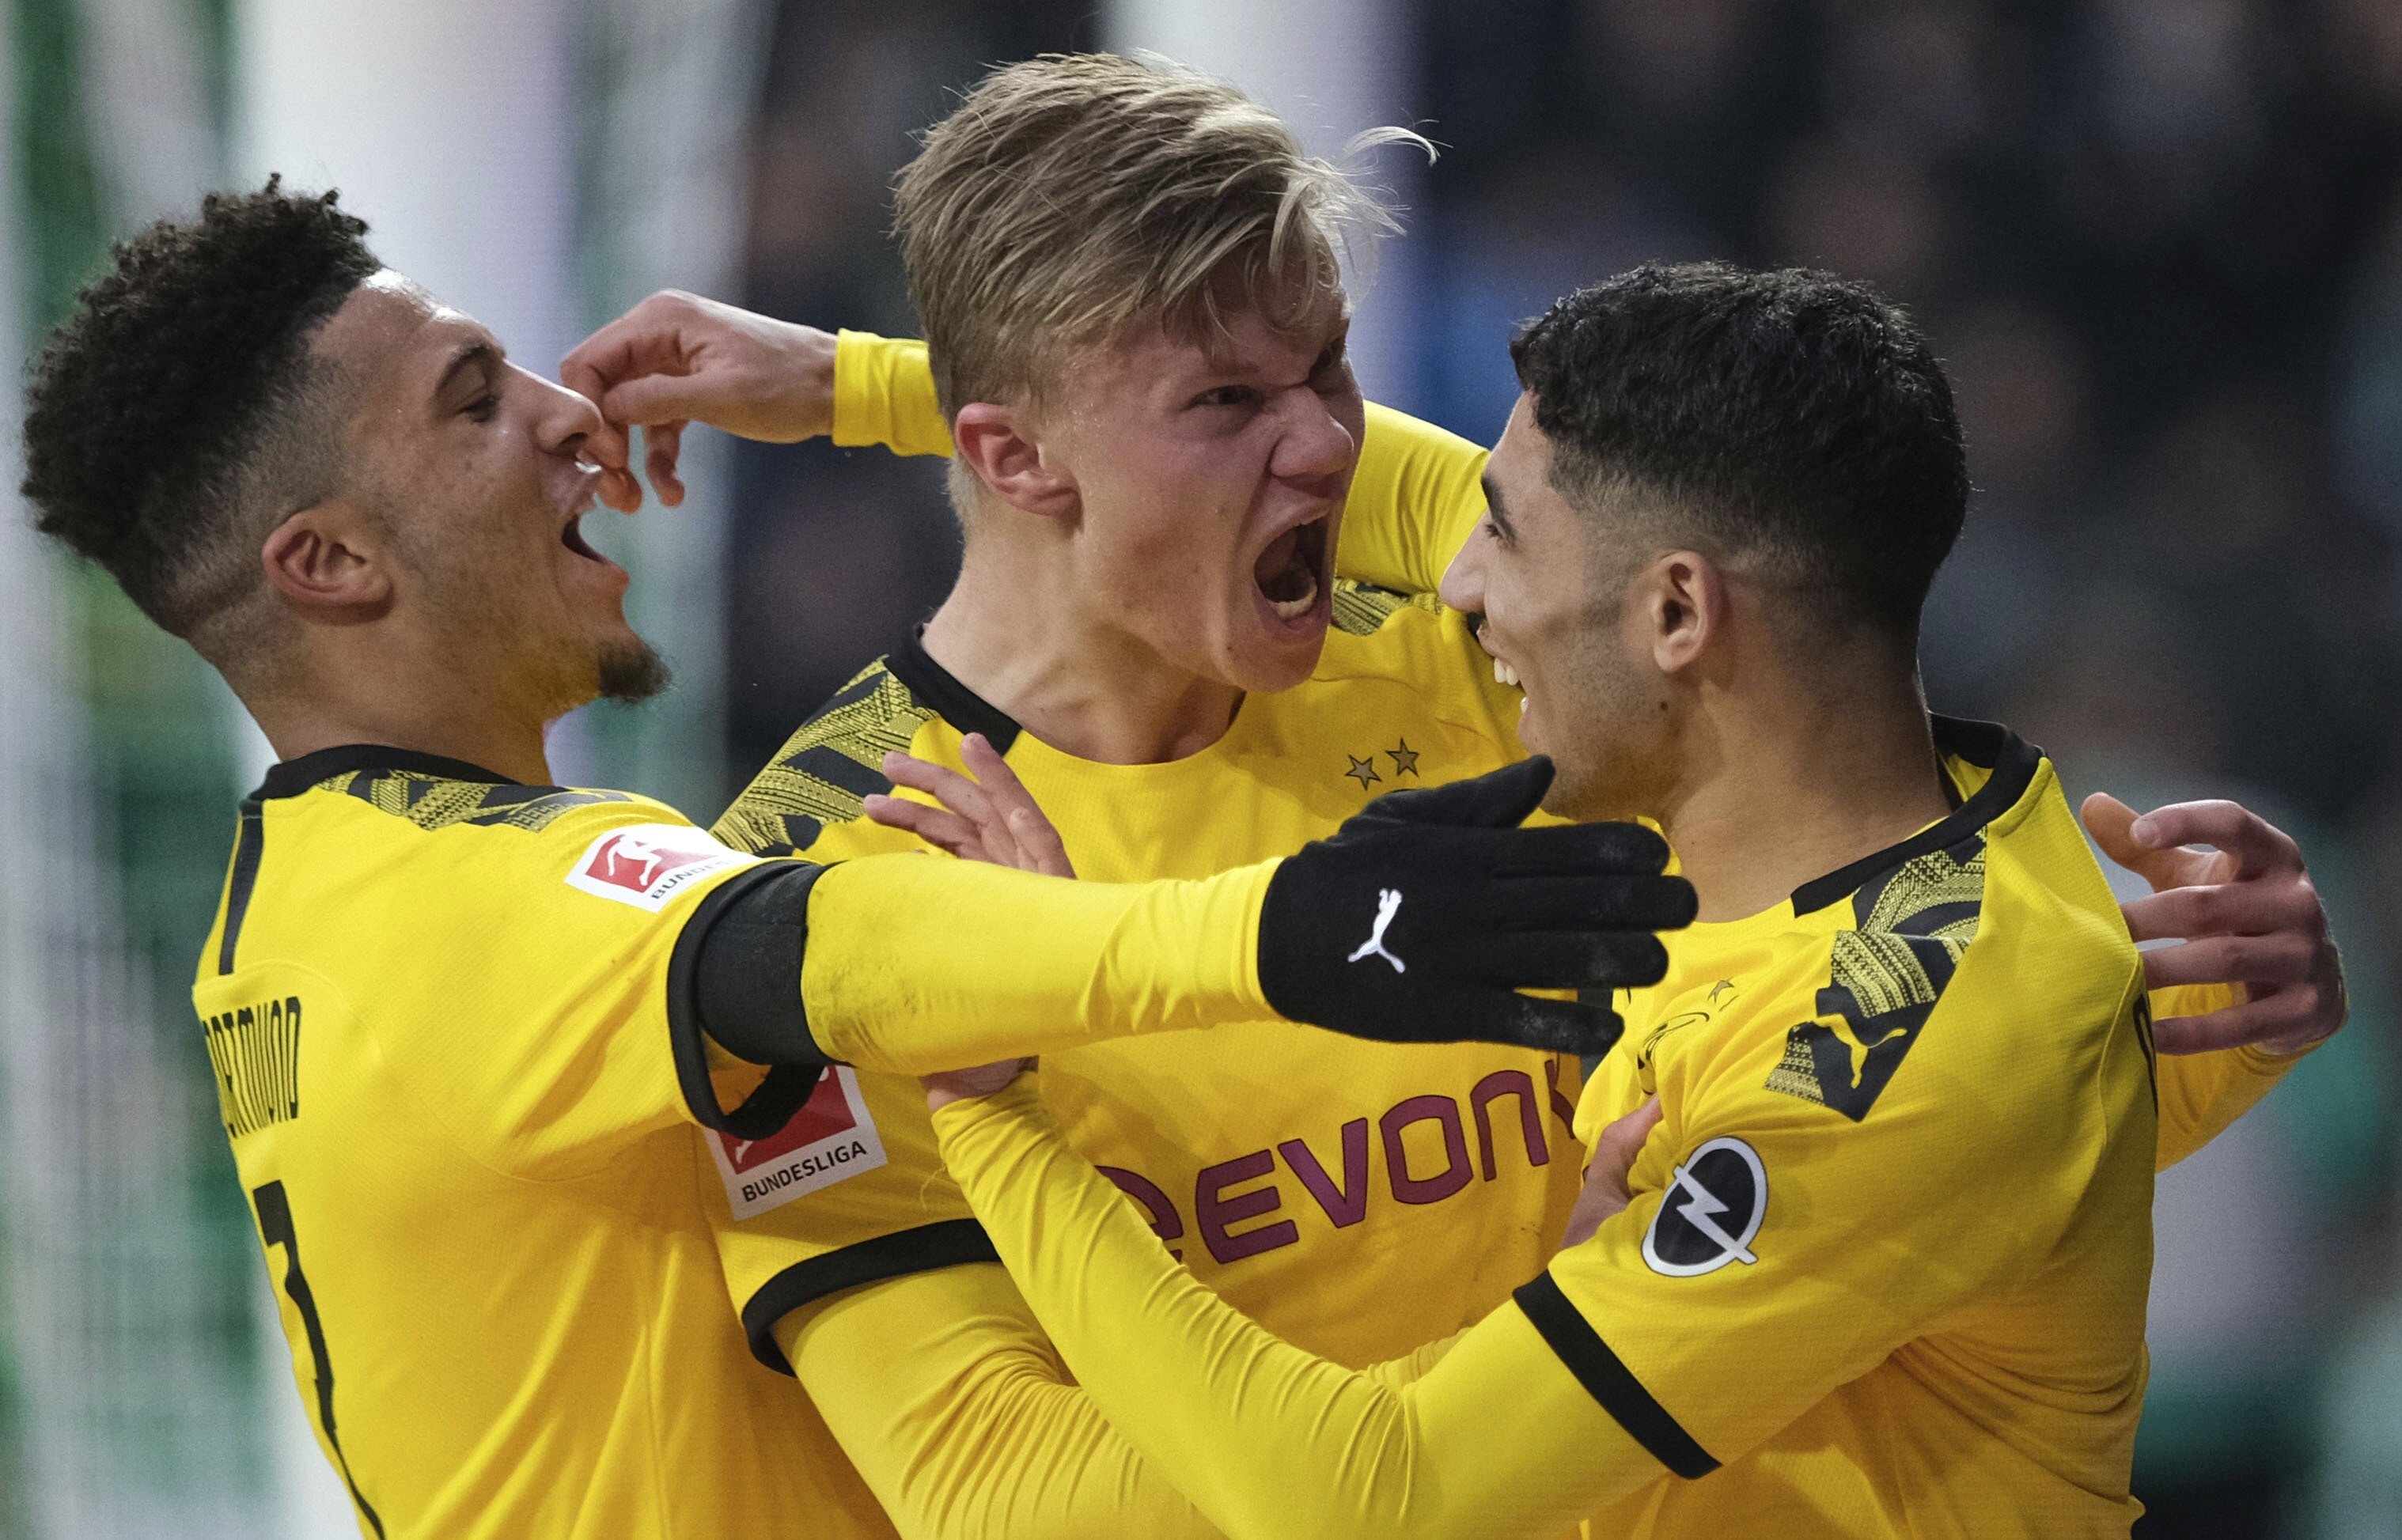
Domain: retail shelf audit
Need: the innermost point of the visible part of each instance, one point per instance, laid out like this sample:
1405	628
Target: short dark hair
176	411
1790	414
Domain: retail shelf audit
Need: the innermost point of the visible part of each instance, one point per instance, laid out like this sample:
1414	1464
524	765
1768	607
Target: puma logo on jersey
1389	900
648	864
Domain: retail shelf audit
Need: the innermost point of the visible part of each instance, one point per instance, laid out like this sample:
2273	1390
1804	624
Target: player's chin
1277	658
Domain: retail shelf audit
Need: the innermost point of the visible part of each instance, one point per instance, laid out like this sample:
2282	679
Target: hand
1419	919
991	818
2247	912
953	1085
1606	1192
678	358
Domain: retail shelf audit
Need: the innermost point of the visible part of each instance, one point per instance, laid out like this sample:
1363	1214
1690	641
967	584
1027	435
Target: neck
1081	685
1782	786
450	713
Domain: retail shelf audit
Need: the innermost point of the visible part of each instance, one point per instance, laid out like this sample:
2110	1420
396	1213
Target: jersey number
275	1229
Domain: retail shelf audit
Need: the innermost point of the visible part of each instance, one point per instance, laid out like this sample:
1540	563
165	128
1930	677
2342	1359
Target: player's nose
1314	445
1463	581
563	419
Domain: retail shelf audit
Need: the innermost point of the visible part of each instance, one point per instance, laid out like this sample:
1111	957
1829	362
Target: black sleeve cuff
1609	1381
735	976
946	1242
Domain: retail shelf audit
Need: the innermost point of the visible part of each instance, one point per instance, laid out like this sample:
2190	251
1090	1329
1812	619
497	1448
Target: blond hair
1072	199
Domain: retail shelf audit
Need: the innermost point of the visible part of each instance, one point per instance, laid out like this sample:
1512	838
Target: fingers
1586	903
662	443
1605	1191
1038	842
1615	1148
1526	1020
1039	845
1500	798
2220	909
2111	823
1582	848
939	826
1571	959
2287	1022
946	786
2257	846
2283	958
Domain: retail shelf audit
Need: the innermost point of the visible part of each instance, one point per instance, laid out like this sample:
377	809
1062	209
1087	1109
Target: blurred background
2158	241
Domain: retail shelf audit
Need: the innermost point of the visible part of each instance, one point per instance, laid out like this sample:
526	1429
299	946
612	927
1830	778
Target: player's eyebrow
1493	507
479	353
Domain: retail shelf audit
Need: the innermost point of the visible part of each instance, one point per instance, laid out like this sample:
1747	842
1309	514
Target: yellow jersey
435	1005
1882	1275
1359	1196
1893	1269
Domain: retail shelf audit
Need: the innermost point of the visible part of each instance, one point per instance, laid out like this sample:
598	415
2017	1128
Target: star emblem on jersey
1404	758
1363	771
1710	1213
1388	904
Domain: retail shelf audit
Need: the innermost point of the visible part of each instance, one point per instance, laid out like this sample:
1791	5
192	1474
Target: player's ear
1681	608
329	563
1004	447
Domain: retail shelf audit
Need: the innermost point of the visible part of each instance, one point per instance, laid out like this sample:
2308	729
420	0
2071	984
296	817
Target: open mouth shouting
1295	574
571	533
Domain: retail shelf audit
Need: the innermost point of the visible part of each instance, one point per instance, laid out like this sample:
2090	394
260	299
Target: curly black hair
1789	413
177	412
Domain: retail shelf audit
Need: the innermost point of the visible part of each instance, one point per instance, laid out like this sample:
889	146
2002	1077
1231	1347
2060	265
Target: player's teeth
1503	673
1293	609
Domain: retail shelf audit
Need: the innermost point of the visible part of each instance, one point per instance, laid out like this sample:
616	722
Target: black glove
1422	917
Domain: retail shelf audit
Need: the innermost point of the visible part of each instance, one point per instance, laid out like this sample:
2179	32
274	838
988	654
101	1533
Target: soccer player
1127	477
1884	1264
460	1018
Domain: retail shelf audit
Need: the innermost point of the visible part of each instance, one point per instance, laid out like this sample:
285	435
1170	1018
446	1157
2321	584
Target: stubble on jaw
632	672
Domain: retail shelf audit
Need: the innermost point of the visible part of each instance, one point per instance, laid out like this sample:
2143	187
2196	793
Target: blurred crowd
2157	242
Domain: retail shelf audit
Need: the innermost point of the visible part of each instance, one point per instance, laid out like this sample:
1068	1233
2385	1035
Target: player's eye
483	407
1227	395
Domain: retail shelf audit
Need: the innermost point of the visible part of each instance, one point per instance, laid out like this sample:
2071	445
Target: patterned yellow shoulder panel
1890	970
1362	609
827	768
436	802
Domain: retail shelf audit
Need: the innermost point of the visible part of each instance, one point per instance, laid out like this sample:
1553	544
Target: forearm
920	963
1415	499
964	1424
2202	1095
1497	1441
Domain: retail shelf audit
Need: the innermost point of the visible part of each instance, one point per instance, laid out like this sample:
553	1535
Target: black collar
293	776
955	702
1986	744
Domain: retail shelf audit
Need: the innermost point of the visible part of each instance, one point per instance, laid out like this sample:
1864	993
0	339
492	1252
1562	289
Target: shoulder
829	765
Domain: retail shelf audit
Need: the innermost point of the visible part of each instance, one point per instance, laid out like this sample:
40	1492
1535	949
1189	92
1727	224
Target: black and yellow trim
786	1086
936	688
1987	745
1608	1380
249	845
946	1242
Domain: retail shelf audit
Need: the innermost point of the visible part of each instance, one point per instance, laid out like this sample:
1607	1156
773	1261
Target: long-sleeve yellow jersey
1884	1274
451	1023
1280	1172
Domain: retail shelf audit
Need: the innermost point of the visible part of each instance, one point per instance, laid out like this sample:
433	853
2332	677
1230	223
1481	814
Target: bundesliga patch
649	863
1710	1213
830	1139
